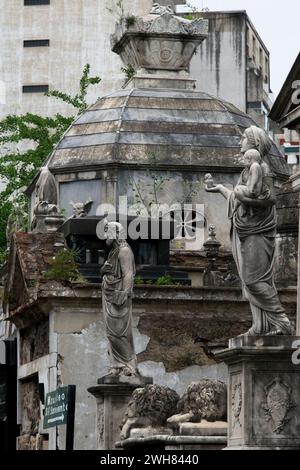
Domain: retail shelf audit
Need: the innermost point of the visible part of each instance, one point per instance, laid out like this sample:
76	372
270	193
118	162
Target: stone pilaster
263	393
112	397
295	179
112	190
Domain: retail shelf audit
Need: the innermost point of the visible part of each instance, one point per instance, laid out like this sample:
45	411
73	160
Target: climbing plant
25	143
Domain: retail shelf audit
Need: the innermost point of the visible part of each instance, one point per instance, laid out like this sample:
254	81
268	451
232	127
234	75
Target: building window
266	70
37	43
248	52
261	61
248	36
254	49
35	88
36	2
292	159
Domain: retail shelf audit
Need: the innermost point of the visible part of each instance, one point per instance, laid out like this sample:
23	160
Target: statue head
252	156
149	406
158	9
206	399
256	138
81	209
46	188
114	232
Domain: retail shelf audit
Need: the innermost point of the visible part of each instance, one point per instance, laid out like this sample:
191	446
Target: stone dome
183	128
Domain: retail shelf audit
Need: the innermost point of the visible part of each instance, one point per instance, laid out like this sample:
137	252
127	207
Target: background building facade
286	113
46	43
234	64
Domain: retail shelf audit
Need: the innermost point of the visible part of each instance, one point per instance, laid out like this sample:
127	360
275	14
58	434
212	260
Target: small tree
18	167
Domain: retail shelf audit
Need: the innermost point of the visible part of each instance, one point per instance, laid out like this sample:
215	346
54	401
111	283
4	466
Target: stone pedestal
112	395
188	436
295	180
263	393
178	82
200	436
48	223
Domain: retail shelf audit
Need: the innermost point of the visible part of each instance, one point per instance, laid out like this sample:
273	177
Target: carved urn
159	41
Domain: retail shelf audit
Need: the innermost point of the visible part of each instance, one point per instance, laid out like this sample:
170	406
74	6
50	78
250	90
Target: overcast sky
277	22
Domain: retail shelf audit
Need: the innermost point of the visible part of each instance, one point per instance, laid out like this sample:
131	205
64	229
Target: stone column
295	179
263	393
111	190
112	395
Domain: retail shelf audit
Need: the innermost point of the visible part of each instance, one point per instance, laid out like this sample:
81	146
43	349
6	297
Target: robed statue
117	286
252	211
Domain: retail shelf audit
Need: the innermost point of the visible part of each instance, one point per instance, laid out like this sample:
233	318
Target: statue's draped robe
117	307
253	243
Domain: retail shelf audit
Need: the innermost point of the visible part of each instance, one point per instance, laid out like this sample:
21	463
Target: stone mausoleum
156	138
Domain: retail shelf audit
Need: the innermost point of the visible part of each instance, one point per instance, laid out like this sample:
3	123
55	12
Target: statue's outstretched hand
212	189
209	184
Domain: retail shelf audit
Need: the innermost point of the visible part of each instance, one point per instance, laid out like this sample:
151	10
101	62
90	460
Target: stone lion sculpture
149	407
203	400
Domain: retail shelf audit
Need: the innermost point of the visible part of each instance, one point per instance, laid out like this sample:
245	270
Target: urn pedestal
112	395
263	392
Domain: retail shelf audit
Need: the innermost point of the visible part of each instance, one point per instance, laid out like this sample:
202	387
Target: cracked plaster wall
84	358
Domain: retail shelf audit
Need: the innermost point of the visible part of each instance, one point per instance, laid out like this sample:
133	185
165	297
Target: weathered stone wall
28	442
220	64
176	331
175	189
30	405
286	258
34	342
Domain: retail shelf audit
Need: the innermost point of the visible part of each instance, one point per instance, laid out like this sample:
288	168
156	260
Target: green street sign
56	408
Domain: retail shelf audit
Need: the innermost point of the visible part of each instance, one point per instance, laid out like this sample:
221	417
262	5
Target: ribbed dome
182	128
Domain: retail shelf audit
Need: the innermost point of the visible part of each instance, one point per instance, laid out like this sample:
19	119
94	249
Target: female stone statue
118	277
253	241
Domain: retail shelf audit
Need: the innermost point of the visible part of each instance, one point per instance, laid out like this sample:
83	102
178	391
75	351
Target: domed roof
182	128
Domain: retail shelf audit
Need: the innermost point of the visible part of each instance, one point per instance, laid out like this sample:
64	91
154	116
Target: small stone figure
252	212
149	408
212	233
81	209
208	180
46	201
253	185
158	9
46	187
211	248
252	181
117	285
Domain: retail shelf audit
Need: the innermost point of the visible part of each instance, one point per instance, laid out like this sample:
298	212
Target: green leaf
18	168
